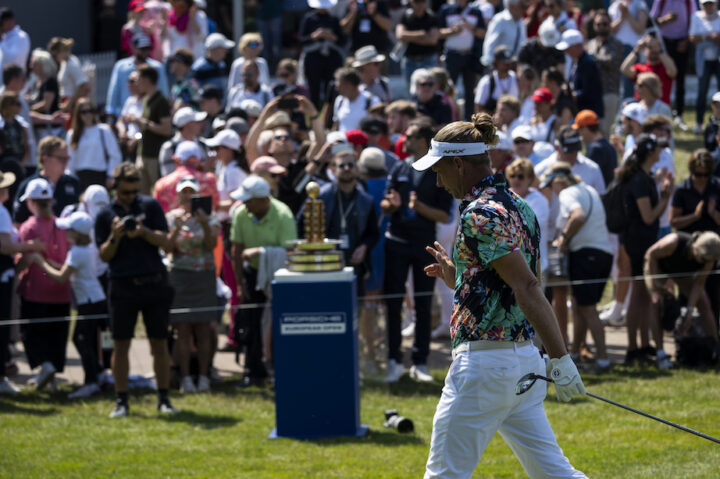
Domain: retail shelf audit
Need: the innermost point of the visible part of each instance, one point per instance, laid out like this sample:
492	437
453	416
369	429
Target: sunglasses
602	24
519	177
275	175
281	137
345	166
83	112
702	174
254	44
426	84
521	141
128	192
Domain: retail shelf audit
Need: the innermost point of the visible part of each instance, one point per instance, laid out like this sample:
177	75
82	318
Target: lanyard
344	213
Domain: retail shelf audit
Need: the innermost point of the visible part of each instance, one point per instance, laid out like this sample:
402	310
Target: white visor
439	149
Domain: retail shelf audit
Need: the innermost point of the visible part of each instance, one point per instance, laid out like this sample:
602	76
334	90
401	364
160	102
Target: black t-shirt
603	153
50	85
437	109
366	32
640	185
426	22
155	109
65	192
134	256
679	261
686	198
538	57
314	20
406	224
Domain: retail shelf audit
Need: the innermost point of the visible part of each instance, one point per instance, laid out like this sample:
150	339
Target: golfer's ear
457	161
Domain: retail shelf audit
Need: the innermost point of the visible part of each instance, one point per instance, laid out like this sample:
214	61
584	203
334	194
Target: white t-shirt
625	33
593	233
195	42
70	77
588	171
463	41
542	131
235	76
505	86
487	9
541	208
699	25
527	110
7	227
94	152
229	178
562	23
133	106
85	286
348	113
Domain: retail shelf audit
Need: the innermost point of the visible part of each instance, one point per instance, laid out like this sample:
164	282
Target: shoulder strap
550	130
102	140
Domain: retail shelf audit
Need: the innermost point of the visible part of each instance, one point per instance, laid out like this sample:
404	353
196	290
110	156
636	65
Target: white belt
483	344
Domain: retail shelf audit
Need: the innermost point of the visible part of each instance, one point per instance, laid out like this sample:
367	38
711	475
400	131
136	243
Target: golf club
527	381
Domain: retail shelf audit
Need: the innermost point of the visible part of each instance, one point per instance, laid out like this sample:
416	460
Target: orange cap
585	118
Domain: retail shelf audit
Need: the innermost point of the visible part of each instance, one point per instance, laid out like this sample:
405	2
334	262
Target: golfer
498	307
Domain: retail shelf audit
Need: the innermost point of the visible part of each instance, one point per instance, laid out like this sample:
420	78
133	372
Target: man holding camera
129	234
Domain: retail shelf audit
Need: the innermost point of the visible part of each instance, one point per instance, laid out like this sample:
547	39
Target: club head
527	381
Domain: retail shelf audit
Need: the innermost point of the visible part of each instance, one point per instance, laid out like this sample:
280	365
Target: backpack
616	217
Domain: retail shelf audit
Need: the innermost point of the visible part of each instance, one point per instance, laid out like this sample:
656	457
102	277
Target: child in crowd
79	268
40	297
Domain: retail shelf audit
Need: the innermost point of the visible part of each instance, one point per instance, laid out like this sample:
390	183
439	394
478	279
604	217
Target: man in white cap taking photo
498	309
189	124
262	221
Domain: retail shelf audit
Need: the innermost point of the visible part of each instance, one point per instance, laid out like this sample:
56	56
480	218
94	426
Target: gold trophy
315	253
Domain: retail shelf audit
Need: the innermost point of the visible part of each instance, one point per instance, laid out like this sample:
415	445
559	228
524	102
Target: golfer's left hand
566	377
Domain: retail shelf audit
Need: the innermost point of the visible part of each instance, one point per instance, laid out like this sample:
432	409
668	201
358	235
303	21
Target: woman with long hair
643	208
93	150
564	106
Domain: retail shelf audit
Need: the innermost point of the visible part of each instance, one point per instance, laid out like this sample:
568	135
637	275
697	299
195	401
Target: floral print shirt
493	222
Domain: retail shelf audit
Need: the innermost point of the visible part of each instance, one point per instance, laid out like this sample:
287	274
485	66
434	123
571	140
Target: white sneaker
394	371
203	384
680	123
420	374
6	387
613	316
698	129
85	391
46	374
120	410
409	331
441	331
663	362
187	386
166	408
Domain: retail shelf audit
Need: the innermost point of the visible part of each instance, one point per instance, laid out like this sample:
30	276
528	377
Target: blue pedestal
315	337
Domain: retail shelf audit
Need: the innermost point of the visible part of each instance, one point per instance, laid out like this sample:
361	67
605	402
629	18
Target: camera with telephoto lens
130	222
394	420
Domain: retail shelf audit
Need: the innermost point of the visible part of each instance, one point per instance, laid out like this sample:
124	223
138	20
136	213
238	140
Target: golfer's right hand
566	377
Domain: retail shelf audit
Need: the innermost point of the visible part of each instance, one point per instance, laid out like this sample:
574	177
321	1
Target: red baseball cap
136	5
542	94
356	137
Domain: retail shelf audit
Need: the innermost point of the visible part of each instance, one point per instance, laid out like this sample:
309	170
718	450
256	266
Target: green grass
224	434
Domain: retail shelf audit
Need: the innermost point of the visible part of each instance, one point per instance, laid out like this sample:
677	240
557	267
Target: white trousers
479	399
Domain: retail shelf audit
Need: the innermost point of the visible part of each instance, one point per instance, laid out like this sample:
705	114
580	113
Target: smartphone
289	103
201	202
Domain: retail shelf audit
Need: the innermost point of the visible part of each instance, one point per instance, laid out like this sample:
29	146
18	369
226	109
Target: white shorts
479	399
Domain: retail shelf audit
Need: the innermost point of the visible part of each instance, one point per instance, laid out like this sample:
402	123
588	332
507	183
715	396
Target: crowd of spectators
183	190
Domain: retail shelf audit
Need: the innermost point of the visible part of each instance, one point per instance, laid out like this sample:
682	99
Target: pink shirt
165	187
35	285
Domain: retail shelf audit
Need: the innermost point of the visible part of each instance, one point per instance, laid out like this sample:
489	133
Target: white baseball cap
185	115
635	111
215	40
716	97
504	141
38	189
188	181
187	150
252	187
548	34
569	38
96	198
251	107
226	138
522	131
78	221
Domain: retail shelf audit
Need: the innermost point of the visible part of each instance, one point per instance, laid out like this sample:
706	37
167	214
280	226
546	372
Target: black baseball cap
569	140
211	92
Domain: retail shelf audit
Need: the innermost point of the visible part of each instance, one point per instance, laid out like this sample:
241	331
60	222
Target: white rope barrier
210	309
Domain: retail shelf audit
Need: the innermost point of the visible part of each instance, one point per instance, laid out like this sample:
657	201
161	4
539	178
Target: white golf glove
566	377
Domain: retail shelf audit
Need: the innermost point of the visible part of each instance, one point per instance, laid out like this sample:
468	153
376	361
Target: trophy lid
312	189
